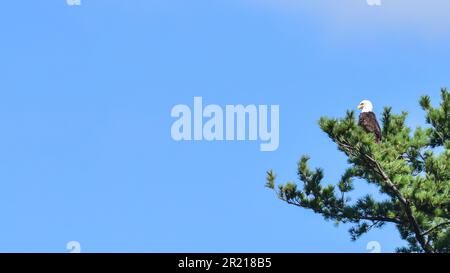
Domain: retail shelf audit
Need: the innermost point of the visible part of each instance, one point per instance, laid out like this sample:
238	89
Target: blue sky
86	93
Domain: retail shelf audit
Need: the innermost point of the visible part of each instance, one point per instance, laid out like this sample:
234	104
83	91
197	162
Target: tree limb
360	217
434	228
405	203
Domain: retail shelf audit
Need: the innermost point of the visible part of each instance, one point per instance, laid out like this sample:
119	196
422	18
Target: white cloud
429	17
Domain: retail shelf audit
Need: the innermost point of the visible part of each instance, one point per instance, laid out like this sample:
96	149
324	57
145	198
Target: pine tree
411	169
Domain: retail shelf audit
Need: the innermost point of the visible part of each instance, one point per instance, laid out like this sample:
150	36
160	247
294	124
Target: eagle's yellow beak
361	106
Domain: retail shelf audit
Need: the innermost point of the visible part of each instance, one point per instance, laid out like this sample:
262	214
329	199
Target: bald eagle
368	120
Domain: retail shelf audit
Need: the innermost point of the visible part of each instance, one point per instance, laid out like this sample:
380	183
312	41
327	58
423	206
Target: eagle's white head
365	106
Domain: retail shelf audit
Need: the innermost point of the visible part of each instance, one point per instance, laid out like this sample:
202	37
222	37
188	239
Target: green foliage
411	168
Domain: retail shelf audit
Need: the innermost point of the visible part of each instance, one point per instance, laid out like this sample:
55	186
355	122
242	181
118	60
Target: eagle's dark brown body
368	121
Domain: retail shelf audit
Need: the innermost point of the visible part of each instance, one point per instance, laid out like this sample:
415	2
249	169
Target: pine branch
435	228
391	186
353	219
